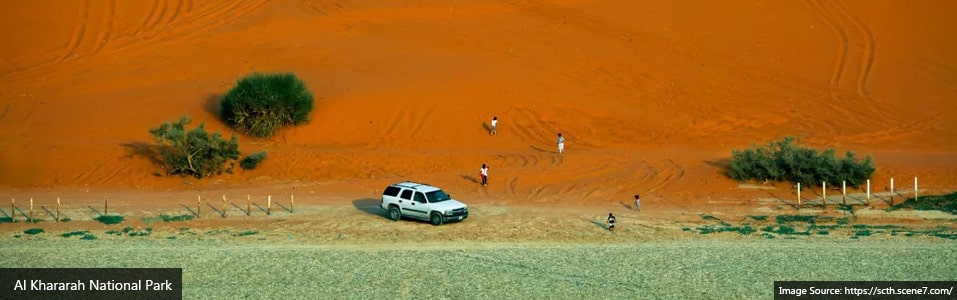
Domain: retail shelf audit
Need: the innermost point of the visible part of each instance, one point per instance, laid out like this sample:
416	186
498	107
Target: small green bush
784	160
252	161
33	231
168	218
944	203
195	152
260	104
75	233
110	220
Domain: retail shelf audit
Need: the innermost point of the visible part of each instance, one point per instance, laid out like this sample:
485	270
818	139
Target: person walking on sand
484	173
637	203
611	222
561	143
494	123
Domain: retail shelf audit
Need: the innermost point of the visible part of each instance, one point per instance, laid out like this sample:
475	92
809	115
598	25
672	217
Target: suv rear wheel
436	219
394	213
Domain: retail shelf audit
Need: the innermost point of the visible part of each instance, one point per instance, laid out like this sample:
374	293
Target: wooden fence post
199	202
57	216
868	200
248	206
915	189
268	204
31	209
13	210
106	205
799	195
844	192
224	205
292	203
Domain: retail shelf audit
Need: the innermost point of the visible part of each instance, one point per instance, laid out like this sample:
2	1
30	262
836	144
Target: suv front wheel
437	219
394	213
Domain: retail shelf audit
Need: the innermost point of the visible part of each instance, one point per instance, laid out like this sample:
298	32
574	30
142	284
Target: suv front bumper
456	217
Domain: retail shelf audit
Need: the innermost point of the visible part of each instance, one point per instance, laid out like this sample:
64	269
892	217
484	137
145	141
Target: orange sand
651	96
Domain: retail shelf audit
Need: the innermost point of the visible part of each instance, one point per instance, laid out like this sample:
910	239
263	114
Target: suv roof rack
412	184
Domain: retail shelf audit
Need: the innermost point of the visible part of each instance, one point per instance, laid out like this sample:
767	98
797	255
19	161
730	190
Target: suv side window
419	197
391	191
406	194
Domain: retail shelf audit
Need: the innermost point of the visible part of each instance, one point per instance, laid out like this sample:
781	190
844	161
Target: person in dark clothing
611	222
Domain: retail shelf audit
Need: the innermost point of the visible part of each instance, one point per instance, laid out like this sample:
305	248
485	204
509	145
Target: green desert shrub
195	152
252	161
784	160
260	104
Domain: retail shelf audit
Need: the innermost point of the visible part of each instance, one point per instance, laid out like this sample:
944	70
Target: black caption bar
865	289
90	283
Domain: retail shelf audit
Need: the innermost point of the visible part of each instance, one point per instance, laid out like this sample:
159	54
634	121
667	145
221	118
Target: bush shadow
213	105
370	206
145	150
722	164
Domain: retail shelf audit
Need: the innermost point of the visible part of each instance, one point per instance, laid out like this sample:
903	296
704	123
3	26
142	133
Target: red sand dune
649	94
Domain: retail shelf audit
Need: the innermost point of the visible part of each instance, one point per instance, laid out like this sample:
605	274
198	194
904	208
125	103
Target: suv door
406	204
420	207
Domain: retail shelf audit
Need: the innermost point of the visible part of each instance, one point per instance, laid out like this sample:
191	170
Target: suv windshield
437	196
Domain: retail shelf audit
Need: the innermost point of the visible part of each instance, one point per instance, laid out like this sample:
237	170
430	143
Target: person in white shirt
637	202
484	173
561	143
492	130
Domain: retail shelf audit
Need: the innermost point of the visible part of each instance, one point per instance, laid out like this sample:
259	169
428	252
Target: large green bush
195	152
784	160
260	104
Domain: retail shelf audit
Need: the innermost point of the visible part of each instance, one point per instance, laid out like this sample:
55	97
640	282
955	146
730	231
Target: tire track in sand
842	39
79	32
105	34
870	47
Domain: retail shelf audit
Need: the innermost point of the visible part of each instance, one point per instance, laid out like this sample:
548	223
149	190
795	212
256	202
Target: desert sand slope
651	96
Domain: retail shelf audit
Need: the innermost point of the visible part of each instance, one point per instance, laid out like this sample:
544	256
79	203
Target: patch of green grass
743	230
171	238
784	230
211	232
17	236
33	231
865	232
167	218
114	232
810	219
758	218
128	229
823	232
144	232
768	235
709	217
6	220
110	220
247	232
843	221
846	208
88	237
64	220
685	229
944	203
75	233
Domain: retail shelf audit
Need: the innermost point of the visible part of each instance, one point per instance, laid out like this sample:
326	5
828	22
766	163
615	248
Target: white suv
423	202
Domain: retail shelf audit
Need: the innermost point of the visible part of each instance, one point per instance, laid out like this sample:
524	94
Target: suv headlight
448	212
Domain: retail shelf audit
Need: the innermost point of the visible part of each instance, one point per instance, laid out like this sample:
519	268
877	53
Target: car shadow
370	206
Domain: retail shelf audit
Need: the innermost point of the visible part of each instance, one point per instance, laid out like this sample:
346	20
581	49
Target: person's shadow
599	224
629	207
470	178
488	128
